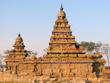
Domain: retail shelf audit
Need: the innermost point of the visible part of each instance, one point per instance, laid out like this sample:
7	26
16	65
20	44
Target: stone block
41	81
92	79
78	80
49	82
63	79
81	55
72	55
34	81
67	82
24	74
53	79
89	55
53	75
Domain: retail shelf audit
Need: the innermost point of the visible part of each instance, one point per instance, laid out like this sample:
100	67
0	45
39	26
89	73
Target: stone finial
19	39
61	13
19	35
19	42
61	7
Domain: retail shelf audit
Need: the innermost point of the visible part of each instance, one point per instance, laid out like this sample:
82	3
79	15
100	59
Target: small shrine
63	59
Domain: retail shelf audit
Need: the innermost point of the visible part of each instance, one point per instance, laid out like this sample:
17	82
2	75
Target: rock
23	74
92	79
78	80
67	82
59	80
53	79
63	79
49	82
71	81
41	81
34	81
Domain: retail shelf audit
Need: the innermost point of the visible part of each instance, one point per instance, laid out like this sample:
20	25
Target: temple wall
70	69
13	66
99	68
26	68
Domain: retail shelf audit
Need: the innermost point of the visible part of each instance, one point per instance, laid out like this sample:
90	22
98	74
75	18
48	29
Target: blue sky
34	19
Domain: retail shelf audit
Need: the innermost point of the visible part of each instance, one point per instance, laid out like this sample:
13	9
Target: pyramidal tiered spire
62	42
19	43
18	51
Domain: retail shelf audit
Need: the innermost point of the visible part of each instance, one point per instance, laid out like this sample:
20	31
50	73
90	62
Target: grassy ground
6	82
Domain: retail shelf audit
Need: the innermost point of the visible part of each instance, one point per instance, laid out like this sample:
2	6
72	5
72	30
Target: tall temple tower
64	57
62	42
67	58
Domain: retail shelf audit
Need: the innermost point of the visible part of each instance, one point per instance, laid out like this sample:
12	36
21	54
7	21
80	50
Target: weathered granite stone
63	59
67	82
78	80
49	82
41	81
53	79
92	79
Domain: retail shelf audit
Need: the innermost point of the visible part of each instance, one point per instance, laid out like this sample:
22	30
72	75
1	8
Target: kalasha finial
61	7
19	35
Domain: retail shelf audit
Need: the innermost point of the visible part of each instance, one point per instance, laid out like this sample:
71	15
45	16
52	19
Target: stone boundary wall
15	78
46	79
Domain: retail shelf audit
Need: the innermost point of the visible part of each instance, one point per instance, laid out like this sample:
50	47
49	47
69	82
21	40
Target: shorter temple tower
16	54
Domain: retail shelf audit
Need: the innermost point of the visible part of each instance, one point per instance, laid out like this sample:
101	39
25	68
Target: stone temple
63	59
